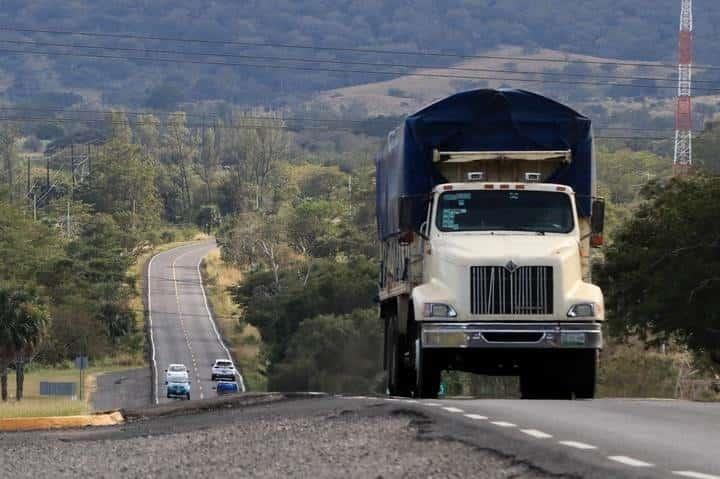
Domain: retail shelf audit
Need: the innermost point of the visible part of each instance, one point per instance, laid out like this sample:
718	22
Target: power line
242	125
188	114
268	127
134	36
339	70
339	62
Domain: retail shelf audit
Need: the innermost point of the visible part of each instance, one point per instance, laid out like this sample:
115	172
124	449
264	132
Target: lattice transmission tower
682	161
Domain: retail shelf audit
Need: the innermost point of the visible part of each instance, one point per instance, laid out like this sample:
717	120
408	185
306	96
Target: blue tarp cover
479	120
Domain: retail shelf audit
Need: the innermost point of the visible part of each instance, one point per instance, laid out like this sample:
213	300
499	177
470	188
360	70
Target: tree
269	144
181	145
333	353
333	288
23	323
122	183
8	136
662	272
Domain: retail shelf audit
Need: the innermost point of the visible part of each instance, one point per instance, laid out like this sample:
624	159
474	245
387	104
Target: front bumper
177	393
509	335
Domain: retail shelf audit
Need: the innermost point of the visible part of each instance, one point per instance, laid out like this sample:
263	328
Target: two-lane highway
182	329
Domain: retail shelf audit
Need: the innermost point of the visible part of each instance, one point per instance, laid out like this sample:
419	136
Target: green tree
333	353
662	272
706	148
277	310
23	323
122	183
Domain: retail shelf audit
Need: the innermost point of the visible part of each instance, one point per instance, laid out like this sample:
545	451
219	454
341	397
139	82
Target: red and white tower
683	114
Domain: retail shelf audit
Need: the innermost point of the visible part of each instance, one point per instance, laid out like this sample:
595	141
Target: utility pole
47	172
72	167
68	218
682	161
27	159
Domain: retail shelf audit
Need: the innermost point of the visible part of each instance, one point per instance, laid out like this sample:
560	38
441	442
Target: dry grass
418	91
35	405
244	339
43	408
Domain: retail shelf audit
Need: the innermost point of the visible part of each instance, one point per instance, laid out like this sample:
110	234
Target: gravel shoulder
323	437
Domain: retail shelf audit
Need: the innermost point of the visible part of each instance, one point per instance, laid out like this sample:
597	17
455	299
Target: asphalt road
123	389
181	325
598	438
336	436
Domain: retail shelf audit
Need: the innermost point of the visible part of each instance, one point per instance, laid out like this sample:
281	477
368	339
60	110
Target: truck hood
463	249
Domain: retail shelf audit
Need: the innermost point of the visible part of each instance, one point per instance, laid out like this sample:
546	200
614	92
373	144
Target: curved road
182	329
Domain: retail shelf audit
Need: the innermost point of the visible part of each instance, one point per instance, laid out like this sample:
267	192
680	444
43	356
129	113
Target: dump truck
486	219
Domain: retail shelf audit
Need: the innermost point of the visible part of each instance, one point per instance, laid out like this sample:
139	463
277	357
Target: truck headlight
582	310
438	310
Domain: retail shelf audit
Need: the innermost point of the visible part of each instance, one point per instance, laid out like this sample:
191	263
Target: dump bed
481	121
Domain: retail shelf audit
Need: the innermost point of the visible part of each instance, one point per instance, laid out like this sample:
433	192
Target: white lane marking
578	445
182	322
629	461
433	404
150	326
212	322
503	424
695	475
536	434
453	409
411	401
476	416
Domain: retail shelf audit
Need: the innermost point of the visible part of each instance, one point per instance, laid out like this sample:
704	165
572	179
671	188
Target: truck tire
427	373
397	374
583	377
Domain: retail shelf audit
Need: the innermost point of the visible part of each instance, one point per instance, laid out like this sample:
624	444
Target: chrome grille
527	290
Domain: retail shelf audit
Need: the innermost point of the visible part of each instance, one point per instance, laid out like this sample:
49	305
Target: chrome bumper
512	335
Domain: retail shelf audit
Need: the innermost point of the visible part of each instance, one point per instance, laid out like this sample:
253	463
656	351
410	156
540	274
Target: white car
176	371
223	369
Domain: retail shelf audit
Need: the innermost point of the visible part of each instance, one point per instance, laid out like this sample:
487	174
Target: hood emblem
511	267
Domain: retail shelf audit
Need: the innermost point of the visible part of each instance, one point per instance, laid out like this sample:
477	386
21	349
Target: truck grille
495	290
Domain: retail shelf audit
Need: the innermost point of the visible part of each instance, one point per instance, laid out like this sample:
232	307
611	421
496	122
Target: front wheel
427	373
397	374
583	374
187	396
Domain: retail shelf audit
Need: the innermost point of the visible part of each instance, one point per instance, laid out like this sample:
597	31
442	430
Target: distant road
181	325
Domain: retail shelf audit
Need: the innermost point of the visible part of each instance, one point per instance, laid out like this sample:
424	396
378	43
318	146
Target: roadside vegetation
293	283
244	339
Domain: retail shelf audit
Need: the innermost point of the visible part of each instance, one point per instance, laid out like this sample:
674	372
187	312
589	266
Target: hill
642	29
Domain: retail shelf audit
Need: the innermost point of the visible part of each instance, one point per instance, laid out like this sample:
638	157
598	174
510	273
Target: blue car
227	387
178	387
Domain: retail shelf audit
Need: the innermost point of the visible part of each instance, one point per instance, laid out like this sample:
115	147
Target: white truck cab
496	281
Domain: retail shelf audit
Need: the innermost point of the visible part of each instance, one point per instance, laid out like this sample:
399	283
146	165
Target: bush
333	353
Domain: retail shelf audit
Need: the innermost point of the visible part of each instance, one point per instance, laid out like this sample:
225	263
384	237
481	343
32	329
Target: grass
35	405
244	339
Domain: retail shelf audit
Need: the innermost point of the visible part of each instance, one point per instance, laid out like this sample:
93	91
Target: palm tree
23	323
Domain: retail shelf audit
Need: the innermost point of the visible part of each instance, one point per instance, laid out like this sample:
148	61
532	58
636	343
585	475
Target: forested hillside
642	29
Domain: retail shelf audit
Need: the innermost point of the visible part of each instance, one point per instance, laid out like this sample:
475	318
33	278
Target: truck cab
496	280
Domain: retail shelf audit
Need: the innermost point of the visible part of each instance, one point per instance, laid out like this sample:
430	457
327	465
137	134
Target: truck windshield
500	210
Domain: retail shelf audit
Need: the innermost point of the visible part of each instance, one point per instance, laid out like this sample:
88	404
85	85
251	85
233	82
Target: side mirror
407	212
597	222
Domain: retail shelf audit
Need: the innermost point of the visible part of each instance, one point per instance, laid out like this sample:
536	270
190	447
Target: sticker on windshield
456	196
448	218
